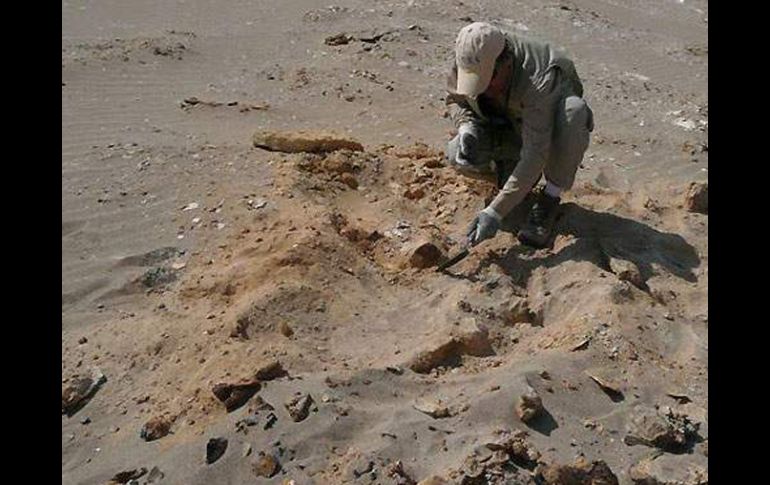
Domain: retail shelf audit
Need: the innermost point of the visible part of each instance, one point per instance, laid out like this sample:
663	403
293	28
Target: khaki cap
477	47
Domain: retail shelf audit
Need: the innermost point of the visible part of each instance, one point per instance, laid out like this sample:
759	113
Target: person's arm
539	110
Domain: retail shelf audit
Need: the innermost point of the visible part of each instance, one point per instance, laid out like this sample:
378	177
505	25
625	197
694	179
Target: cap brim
474	82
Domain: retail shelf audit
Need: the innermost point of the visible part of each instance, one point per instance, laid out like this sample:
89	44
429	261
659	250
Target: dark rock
126	476
235	395
663	429
215	448
665	469
79	390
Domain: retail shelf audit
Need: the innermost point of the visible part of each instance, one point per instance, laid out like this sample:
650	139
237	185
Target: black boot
541	220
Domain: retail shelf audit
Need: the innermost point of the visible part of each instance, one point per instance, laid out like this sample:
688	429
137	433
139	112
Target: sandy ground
191	258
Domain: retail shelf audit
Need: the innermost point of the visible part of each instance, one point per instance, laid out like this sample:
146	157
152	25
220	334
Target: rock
432	408
608	381
433	480
285	329
79	390
349	180
422	254
661	429
518	447
414	193
82	340
299	407
516	310
627	271
338	39
697	198
267	465
447	348
155	475
581	472
126	476
215	448
303	141
360	466
418	151
271	370
246	450
667	469
258	404
397	472
529	406
234	396
156	428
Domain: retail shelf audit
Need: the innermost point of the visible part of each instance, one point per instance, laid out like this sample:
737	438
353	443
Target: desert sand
240	315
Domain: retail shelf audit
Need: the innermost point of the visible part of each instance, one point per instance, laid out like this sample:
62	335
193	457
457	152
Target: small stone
267	465
414	193
530	405
155	428
627	271
85	420
697	198
79	390
246	450
82	340
285	329
423	254
299	407
578	473
349	179
128	476
215	448
432	408
234	396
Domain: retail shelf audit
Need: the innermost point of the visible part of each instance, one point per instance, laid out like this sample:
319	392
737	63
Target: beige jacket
541	77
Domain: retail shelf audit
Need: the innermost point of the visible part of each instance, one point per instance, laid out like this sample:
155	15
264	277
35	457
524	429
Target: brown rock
234	396
79	390
627	271
338	39
529	406
423	254
299	407
697	197
303	141
271	370
432	408
349	180
417	151
667	469
267	465
447	348
156	428
581	472
285	329
518	447
414	193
